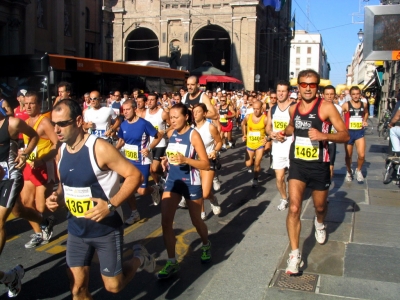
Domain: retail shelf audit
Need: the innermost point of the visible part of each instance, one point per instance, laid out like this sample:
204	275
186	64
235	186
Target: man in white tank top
158	117
278	119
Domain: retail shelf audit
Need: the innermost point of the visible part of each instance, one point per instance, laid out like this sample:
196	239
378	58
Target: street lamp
360	35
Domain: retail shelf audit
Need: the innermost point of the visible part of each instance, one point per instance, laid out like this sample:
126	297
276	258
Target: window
308	50
87	18
297	50
298	61
308	61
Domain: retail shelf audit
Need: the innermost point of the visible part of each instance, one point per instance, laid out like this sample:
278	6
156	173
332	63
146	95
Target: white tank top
280	119
157	121
206	136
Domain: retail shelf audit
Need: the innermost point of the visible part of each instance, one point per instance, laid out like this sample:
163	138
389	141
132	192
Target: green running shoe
206	253
168	270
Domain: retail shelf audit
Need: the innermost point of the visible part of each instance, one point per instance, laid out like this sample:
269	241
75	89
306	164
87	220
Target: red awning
203	79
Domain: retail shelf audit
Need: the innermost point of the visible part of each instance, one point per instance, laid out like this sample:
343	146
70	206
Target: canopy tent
207	70
204	79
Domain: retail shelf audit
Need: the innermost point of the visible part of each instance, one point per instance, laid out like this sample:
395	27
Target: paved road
241	205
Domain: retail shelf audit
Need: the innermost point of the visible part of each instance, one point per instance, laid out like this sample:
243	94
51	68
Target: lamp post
109	40
360	35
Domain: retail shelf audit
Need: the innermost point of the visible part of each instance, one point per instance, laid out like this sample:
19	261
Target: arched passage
212	43
142	44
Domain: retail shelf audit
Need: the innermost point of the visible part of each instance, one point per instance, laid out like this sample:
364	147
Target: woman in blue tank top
183	180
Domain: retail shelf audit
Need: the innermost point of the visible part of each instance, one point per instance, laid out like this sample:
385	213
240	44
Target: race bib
173	149
132	152
280	124
99	133
4	165
254	136
222	119
33	155
78	200
117	111
306	149
355	123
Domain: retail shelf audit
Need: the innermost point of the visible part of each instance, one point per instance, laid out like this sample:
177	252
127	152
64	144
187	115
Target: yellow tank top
255	133
43	146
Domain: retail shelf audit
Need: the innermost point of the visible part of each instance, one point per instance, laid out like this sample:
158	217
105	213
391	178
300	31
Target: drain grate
305	282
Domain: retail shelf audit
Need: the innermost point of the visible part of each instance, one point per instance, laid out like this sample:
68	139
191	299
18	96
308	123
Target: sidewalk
358	261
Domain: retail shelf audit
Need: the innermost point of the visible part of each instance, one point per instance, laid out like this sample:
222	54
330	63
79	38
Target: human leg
169	205
395	139
293	224
360	145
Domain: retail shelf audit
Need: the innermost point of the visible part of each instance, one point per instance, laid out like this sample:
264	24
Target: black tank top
355	117
302	147
222	112
4	141
192	102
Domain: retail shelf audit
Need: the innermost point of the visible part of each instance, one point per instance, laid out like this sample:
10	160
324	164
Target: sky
336	21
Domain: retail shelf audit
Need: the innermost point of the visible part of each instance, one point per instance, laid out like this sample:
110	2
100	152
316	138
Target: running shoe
149	263
36	240
169	269
183	204
134	217
14	287
283	205
206	253
155	195
293	264
254	183
216	184
203	215
215	206
359	176
249	170
47	230
320	234
349	177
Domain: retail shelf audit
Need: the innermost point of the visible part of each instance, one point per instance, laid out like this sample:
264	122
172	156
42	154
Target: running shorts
40	175
188	191
158	153
316	175
355	135
80	252
332	153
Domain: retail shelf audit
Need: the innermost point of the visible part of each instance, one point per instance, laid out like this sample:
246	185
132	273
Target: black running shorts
316	175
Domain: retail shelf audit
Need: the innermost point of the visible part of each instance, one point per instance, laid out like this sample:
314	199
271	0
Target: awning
204	79
370	83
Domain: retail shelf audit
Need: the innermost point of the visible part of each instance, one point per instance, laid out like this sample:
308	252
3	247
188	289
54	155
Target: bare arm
395	118
6	106
211	111
201	162
244	124
328	111
217	141
290	128
18	126
45	129
109	158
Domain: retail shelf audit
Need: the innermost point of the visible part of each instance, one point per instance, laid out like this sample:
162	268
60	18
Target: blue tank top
182	143
81	178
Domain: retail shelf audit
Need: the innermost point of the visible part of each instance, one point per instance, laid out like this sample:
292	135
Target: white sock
295	252
318	225
173	260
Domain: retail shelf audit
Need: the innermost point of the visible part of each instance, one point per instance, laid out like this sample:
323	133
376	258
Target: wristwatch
110	206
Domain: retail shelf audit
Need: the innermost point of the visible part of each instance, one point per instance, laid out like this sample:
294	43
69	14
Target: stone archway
142	44
212	43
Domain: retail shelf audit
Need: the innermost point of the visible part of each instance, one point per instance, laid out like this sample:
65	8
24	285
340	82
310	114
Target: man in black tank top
195	96
309	122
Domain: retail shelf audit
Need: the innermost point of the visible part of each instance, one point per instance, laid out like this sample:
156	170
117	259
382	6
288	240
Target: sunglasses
95	99
62	123
312	85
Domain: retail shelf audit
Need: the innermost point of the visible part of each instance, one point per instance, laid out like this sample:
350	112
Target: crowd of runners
174	140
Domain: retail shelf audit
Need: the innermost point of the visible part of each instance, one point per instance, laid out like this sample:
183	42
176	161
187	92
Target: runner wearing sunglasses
310	120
